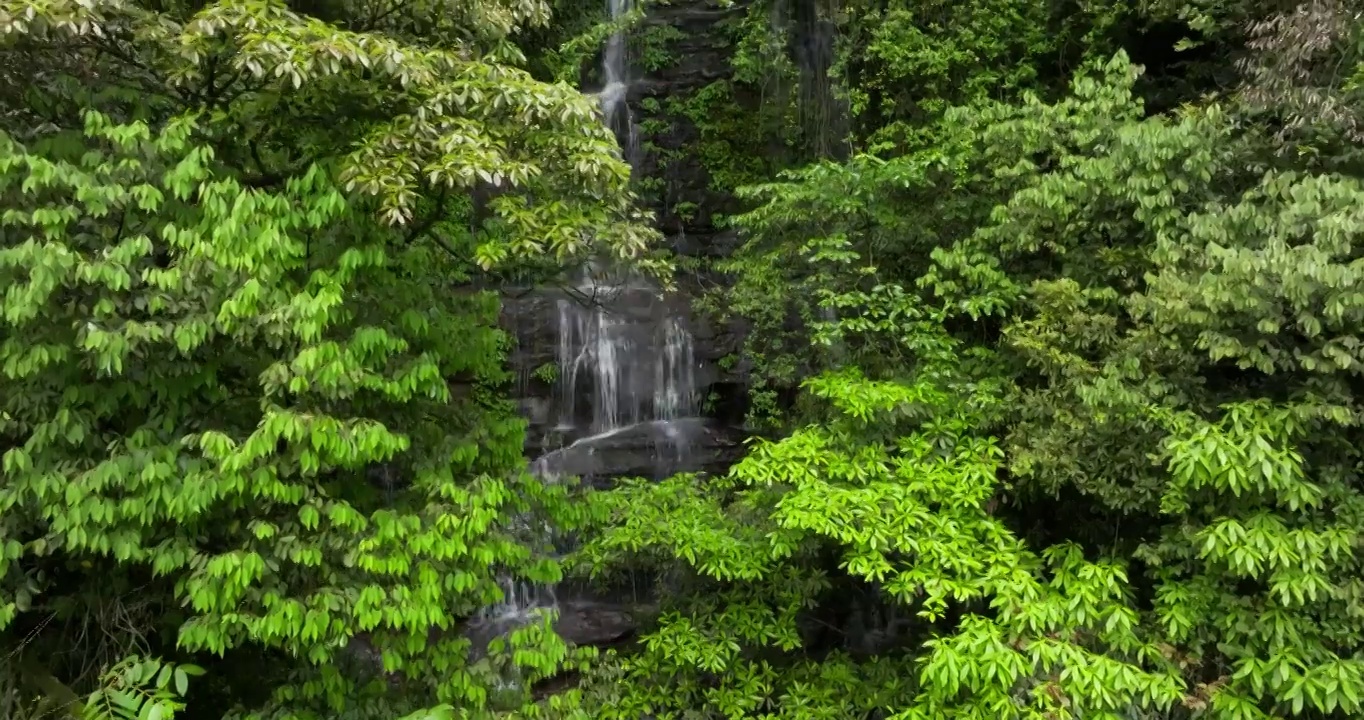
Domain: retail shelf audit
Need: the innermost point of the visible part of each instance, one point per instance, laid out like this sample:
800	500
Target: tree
1140	324
250	403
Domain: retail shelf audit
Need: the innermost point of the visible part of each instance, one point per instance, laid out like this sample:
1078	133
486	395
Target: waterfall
675	373
626	365
634	353
615	83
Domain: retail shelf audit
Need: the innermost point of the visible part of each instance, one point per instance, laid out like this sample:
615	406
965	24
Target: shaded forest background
1050	357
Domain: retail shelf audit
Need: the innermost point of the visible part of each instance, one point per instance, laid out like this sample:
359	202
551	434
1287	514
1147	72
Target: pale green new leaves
187	358
453	113
1282	259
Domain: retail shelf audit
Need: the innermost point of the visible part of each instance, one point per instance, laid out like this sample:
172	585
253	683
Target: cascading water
632	351
615	85
627	370
637	358
626	364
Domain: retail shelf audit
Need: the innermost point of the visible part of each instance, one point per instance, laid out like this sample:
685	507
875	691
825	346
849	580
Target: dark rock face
656	448
591	623
699	56
615	378
625	382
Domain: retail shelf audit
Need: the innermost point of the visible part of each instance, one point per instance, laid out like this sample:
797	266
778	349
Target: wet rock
656	449
579	621
617	379
596	624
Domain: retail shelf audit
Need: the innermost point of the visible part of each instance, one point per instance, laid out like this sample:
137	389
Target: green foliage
728	136
547	373
245	497
132	689
652	50
250	370
1141	323
443	112
140	689
566	60
1252	515
904	63
1058	372
895	490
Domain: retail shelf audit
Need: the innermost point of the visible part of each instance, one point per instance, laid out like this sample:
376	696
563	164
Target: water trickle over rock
627	392
627	370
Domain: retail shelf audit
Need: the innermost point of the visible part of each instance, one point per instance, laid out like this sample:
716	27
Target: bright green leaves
909	518
866	400
220	370
237	232
913	522
1262	562
329	369
1069	645
207	380
139	689
677	519
1244	455
532	652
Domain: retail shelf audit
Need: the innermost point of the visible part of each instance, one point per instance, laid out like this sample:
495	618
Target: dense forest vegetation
1053	335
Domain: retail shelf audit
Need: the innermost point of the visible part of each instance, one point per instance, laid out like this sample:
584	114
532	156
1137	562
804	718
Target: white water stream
626	364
